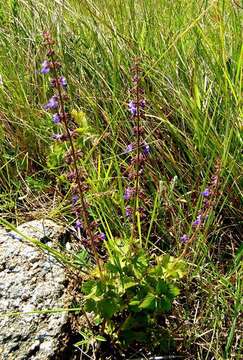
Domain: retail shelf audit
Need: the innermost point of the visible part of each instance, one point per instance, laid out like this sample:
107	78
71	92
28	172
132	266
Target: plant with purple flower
184	238
128	211
52	103
198	221
58	102
209	196
109	292
45	67
129	148
128	193
146	148
206	192
139	149
63	82
78	224
132	108
75	199
56	118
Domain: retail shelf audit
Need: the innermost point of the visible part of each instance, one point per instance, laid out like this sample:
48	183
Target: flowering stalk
72	156
136	81
209	195
136	107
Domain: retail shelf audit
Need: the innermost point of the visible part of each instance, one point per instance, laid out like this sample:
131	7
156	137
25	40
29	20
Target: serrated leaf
90	305
88	287
161	287
107	308
174	290
135	321
149	302
165	304
112	268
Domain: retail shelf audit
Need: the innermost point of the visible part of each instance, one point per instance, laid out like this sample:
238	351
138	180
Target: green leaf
161	287
133	306
134	302
80	118
173	268
88	287
90	305
164	304
149	302
97	320
136	321
130	336
129	284
82	258
100	338
174	291
107	308
112	268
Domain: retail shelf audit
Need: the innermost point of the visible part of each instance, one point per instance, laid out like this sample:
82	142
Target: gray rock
31	280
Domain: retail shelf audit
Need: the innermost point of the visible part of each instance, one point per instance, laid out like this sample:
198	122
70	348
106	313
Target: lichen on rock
31	280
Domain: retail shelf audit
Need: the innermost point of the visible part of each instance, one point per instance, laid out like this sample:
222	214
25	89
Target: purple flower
57	136
128	193
100	237
45	67
63	82
56	118
128	211
184	238
74	199
198	221
60	137
206	192
129	148
78	224
52	103
146	148
132	107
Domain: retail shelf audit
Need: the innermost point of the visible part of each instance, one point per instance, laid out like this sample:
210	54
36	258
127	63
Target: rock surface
31	280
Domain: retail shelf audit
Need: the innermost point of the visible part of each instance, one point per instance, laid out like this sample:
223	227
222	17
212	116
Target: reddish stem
87	227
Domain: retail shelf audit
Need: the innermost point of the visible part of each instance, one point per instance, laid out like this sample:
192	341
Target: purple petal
57	136
52	103
128	193
78	224
146	148
128	211
184	238
56	118
129	148
198	221
206	192
74	199
45	67
63	81
102	236
132	108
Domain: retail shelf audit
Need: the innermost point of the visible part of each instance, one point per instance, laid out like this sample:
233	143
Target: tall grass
191	55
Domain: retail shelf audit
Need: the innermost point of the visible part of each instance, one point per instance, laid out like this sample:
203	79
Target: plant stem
87	228
137	155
